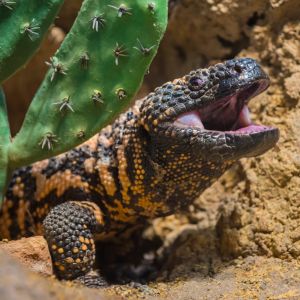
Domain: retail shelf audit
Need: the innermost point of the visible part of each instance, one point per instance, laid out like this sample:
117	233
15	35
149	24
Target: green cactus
92	77
96	71
22	27
4	142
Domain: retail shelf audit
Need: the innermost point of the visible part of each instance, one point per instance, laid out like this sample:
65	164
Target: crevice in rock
255	18
235	47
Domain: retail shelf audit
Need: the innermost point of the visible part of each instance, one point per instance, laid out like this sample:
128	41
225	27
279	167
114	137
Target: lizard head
205	113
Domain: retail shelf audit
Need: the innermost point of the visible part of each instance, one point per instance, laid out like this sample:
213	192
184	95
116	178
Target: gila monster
153	161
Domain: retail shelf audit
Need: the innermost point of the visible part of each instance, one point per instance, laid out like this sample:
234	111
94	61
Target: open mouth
229	114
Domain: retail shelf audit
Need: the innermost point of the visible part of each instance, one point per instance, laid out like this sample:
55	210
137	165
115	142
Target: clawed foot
92	280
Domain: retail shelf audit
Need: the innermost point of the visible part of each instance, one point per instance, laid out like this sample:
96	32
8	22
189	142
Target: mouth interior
229	114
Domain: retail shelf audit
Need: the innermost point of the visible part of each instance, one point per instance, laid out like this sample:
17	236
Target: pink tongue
189	119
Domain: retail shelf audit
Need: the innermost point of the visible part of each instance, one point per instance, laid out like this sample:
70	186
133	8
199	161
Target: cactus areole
91	78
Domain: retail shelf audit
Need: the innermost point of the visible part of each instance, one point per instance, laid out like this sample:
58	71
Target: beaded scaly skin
154	160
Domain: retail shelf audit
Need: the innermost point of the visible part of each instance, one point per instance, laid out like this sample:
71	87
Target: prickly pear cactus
95	72
22	27
92	77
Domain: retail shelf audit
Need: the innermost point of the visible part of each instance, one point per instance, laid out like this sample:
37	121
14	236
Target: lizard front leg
69	229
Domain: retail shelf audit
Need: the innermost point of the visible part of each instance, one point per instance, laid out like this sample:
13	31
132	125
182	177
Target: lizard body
154	160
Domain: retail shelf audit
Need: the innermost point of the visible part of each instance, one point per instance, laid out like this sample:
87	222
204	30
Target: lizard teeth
189	119
244	117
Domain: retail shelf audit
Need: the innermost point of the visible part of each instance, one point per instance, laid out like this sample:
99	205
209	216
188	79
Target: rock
32	252
17	282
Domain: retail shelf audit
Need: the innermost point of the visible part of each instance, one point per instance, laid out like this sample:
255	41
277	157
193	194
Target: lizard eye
196	82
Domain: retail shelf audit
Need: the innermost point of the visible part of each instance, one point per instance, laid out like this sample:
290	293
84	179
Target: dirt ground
241	238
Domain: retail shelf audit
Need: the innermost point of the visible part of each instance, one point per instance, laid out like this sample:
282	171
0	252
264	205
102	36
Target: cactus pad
92	77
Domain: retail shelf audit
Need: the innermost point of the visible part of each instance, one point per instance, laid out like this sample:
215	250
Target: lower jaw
250	129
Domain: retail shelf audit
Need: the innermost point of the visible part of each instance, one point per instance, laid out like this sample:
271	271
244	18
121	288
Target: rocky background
241	239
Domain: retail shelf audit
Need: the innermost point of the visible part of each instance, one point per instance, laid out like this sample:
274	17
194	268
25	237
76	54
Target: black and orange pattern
141	167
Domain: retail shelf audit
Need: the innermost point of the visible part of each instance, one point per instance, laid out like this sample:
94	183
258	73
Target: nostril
238	69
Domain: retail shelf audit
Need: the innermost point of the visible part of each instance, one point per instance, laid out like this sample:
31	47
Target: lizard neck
128	175
144	177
